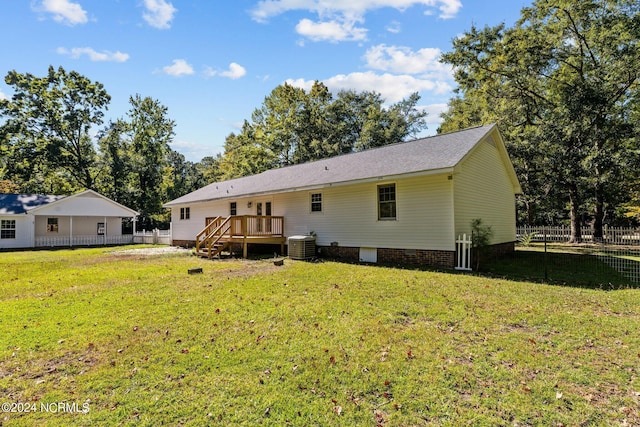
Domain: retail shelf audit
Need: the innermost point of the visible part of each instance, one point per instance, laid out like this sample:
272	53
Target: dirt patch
160	250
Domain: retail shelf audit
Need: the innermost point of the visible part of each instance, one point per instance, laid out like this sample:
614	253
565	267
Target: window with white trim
233	208
185	213
8	229
316	202
387	202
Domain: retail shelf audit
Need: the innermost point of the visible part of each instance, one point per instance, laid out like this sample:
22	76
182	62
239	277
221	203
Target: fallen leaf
558	395
337	410
380	416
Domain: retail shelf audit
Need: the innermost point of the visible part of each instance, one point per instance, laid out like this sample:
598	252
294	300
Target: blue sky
212	62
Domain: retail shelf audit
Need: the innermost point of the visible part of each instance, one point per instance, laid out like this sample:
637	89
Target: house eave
382	178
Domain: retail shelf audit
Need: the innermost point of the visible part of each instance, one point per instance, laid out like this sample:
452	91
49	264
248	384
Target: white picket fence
92	240
463	252
612	235
153	237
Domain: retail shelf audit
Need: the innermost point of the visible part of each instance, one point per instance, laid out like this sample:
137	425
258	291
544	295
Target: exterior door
263	208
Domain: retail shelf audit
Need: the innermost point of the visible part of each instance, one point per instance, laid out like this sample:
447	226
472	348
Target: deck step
216	249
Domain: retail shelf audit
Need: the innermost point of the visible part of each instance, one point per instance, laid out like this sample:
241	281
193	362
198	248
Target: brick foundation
401	256
432	258
344	252
184	243
418	257
502	249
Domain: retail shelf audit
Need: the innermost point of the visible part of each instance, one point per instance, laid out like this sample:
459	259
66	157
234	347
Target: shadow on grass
571	266
580	270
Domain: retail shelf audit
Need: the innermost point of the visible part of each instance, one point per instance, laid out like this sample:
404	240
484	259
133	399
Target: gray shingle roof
15	204
421	155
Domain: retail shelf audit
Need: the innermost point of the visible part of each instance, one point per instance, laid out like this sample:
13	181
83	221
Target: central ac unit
301	247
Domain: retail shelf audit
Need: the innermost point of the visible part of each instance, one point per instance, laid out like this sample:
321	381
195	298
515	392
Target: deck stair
221	233
214	238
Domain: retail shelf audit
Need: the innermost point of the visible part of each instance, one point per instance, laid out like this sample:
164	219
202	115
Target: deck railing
239	226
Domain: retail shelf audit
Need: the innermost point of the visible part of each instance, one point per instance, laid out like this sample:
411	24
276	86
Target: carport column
104	236
71	231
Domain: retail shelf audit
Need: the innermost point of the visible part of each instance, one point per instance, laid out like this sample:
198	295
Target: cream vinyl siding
350	215
82	226
483	190
187	229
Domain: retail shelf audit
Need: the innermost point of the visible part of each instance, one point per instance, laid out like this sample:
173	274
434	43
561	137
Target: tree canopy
295	126
561	83
47	142
47	145
47	124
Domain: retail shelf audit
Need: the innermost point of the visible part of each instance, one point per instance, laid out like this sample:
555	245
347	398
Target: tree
137	166
115	179
151	131
294	126
562	79
48	122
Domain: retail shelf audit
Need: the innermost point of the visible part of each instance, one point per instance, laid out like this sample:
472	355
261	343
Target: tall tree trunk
598	215
574	211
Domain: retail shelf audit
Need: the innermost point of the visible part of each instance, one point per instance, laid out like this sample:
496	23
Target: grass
578	266
140	342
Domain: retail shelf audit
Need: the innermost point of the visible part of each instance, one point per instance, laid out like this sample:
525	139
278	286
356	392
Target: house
86	218
405	202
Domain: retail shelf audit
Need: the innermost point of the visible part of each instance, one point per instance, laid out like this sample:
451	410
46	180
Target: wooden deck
222	232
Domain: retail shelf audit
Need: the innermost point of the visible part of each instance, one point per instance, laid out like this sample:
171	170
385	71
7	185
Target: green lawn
578	266
137	341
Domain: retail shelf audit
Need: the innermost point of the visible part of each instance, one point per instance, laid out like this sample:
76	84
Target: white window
233	208
316	202
387	201
8	229
185	213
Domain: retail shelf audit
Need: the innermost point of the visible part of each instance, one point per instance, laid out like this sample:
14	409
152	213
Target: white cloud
266	9
93	55
159	13
399	59
234	72
333	31
63	11
394	27
3	96
433	113
180	67
393	88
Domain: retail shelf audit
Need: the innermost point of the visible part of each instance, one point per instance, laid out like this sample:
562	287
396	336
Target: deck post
244	248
